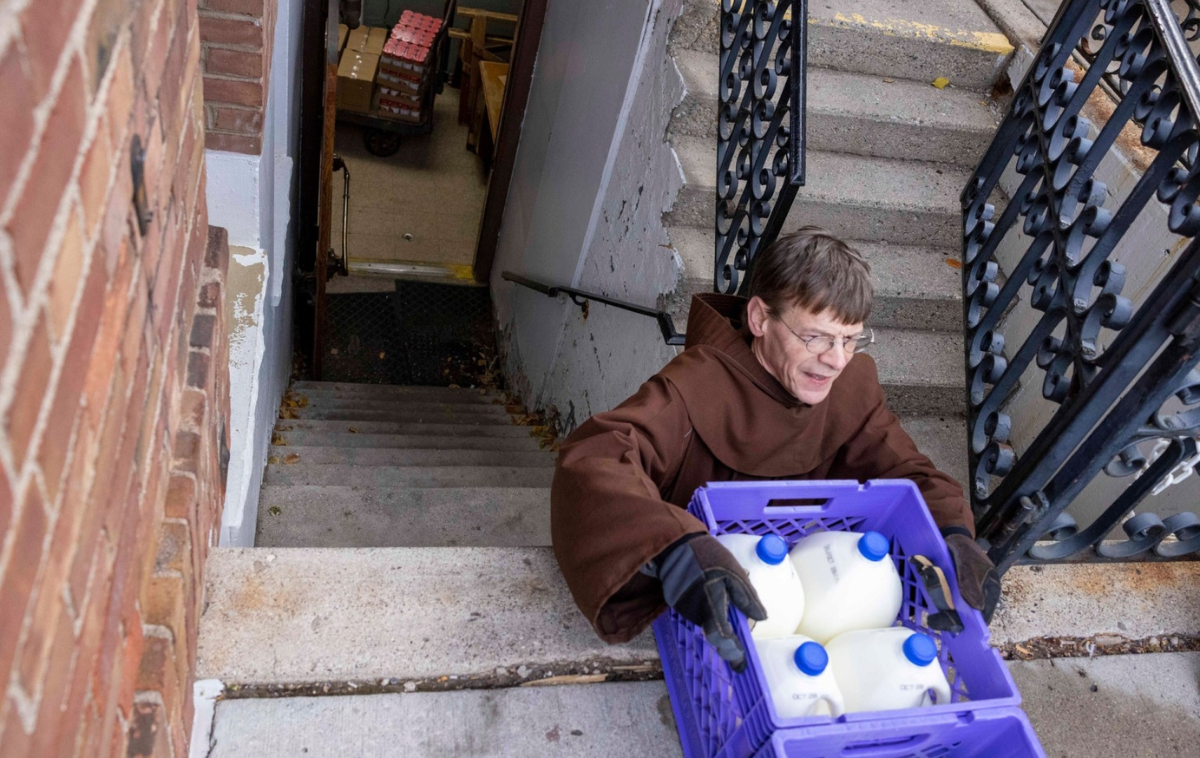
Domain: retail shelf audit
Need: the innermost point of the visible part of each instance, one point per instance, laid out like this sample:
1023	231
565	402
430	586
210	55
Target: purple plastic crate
727	715
988	733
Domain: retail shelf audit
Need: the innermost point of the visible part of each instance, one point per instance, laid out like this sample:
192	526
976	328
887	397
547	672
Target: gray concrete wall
593	177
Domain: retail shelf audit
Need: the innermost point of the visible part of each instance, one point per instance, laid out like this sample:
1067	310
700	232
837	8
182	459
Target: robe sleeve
881	449
607	514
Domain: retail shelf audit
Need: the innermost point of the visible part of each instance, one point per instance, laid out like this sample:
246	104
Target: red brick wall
113	376
236	38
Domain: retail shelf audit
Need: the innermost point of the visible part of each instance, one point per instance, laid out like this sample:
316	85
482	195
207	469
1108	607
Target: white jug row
828	645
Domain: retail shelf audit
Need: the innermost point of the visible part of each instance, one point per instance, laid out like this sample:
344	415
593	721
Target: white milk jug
849	583
798	677
774	579
887	669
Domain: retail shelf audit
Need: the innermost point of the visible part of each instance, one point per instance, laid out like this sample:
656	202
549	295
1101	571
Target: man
774	387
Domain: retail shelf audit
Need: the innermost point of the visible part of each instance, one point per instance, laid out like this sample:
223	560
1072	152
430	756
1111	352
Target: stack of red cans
406	65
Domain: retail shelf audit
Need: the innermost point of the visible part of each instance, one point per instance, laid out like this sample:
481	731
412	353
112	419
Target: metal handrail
666	324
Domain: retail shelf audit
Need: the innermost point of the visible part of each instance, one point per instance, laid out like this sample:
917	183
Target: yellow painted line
989	42
462	272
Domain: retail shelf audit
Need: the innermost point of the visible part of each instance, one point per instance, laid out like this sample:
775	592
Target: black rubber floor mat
423	334
363	341
446	332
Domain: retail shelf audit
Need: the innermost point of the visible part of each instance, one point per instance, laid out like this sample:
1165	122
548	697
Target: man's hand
699	579
978	582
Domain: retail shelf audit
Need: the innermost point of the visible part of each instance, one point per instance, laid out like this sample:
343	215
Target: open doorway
408	144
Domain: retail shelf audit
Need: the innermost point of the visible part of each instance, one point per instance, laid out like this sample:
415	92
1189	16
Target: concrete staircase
355	465
456	636
888	154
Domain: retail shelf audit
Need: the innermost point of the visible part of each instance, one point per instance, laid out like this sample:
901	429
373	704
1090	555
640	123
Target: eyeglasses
819	344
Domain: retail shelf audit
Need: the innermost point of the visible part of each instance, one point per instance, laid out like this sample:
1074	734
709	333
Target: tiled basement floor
433	188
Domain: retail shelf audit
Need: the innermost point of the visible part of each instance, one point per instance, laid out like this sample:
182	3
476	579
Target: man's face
783	352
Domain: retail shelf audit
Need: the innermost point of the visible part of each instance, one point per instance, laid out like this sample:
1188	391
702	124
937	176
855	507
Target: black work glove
978	581
699	579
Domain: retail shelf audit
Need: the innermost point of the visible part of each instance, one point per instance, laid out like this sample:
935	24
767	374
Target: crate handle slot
900	746
795	502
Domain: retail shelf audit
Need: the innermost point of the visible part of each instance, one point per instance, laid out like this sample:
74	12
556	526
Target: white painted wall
252	197
593	176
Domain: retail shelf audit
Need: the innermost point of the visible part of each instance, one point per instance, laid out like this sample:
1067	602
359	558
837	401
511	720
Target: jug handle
837	706
942	691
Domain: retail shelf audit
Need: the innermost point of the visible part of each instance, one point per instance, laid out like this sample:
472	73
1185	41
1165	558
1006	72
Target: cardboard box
376	39
343	33
356	81
357	40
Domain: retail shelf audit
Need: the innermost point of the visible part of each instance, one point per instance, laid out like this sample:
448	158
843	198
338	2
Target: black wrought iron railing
1121	376
760	129
666	324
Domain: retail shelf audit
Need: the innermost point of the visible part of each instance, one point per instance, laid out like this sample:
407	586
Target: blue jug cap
771	549
873	546
811	658
919	649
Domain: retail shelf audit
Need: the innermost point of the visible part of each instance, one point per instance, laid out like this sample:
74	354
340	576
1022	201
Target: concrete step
921	372
617	720
894	38
291	616
1114	706
870	199
428	394
407	407
481	415
1108	707
354	517
344	439
915	288
508	607
367	456
944	440
858	113
455	428
415	619
385	393
409	476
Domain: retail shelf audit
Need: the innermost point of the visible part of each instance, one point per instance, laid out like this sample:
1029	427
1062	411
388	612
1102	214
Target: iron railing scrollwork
760	129
1123	378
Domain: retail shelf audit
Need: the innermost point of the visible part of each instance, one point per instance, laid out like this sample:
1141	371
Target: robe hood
759	428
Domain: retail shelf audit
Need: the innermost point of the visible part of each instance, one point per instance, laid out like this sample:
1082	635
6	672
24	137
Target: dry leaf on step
941	82
953	263
291	458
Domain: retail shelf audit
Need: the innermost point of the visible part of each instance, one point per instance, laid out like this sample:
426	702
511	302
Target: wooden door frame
512	117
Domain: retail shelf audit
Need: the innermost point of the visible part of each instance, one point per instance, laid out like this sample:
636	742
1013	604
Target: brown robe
714	413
